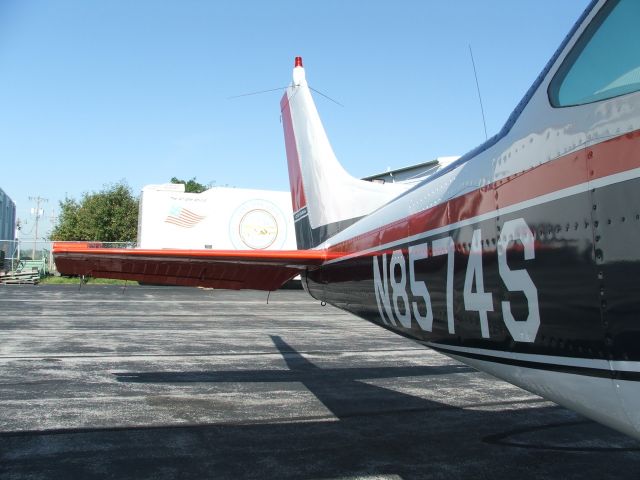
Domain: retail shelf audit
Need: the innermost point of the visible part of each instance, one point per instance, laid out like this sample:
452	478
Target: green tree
191	186
110	215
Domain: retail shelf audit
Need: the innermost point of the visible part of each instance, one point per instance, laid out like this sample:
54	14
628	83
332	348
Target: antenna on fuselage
479	96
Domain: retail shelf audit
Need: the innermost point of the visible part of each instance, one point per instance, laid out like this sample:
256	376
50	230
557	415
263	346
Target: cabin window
605	61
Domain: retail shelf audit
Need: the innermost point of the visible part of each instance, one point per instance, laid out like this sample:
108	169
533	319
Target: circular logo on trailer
257	225
258	229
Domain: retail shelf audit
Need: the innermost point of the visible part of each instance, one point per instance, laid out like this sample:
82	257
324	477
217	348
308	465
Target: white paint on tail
328	191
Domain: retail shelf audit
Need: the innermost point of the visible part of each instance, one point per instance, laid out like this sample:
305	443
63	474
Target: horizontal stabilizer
225	269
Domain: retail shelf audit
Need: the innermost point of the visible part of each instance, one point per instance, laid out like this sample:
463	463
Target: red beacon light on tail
298	72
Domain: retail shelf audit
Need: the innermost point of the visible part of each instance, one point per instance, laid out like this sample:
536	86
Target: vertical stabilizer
326	199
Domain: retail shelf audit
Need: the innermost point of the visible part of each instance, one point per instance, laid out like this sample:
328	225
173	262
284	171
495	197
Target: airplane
519	259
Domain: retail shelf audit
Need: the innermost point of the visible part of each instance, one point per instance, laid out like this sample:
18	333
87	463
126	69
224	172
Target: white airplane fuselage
520	259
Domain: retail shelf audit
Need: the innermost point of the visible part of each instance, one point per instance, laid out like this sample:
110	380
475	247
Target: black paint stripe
552	367
307	237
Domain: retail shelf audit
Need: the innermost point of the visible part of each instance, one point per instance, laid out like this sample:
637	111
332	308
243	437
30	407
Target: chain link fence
16	255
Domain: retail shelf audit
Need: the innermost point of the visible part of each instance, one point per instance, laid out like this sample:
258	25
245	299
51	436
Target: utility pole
37	212
16	261
53	219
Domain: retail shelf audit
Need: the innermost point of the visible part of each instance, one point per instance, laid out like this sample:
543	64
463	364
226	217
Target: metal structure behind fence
9	254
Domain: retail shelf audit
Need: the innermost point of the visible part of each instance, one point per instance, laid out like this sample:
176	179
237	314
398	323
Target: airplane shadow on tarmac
378	433
341	390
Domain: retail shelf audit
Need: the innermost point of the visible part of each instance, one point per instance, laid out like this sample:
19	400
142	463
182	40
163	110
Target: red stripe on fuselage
298	199
613	156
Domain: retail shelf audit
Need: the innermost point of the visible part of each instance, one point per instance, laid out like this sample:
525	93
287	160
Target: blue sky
94	92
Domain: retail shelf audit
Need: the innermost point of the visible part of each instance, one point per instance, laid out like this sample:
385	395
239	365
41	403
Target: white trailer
219	218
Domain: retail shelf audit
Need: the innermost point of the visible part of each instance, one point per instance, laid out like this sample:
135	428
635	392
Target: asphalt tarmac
162	383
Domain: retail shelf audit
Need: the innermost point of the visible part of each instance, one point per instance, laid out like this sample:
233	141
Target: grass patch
52	280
